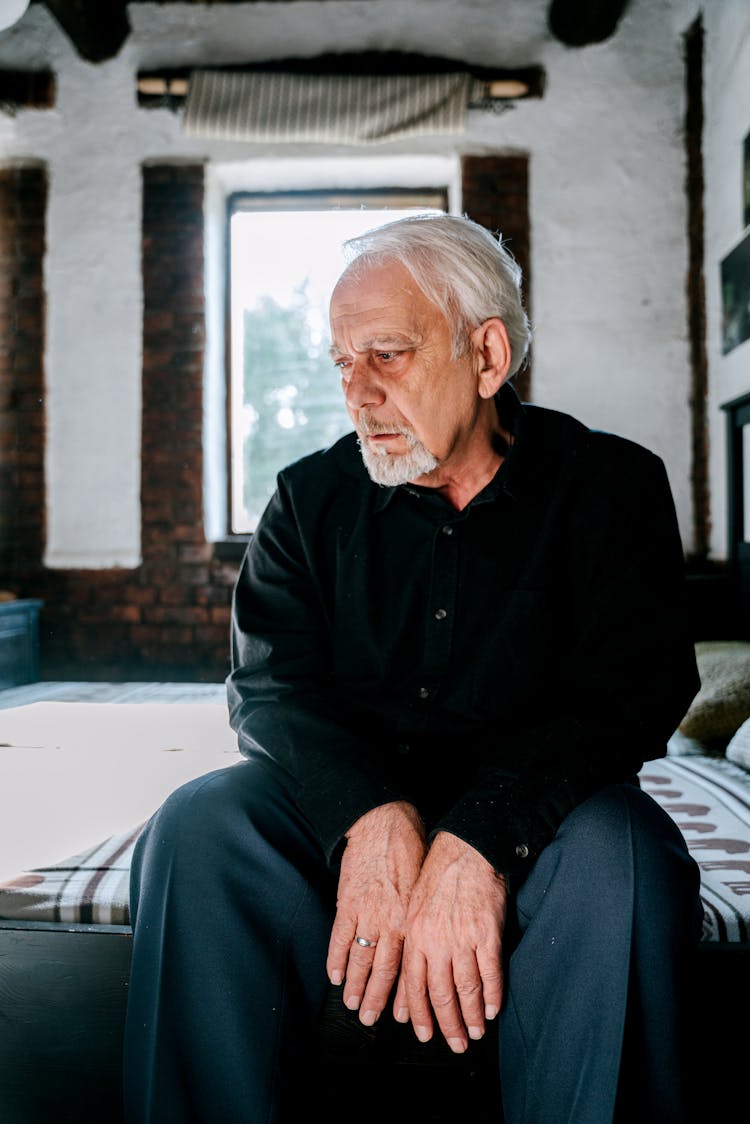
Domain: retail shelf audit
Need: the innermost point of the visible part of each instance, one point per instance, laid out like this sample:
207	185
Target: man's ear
493	352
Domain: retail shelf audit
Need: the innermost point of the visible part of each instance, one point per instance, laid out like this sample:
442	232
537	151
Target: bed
64	924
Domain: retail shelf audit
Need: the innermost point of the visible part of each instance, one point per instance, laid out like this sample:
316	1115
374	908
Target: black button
424	693
522	851
404	747
440	614
447	529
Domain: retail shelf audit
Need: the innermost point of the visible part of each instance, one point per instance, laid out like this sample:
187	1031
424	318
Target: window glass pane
285	398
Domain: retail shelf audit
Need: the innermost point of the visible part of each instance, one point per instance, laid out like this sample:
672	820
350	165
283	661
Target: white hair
466	271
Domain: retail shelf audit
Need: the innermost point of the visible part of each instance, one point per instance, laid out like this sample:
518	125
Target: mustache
367	427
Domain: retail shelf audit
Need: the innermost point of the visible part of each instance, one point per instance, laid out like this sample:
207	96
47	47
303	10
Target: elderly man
457	635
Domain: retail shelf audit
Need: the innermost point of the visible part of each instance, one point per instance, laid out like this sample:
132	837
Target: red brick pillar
173	345
185	621
23	204
495	193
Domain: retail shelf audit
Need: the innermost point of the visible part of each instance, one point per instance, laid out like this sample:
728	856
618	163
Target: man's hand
381	862
451	962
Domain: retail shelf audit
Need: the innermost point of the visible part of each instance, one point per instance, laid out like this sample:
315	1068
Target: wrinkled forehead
379	293
365	278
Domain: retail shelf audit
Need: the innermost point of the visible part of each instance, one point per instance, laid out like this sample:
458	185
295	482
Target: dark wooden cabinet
19	642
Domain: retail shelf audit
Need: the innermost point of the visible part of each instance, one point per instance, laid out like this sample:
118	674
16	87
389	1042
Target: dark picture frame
746	181
735	296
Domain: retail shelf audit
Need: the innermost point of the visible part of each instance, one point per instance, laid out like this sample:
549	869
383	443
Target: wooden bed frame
63	989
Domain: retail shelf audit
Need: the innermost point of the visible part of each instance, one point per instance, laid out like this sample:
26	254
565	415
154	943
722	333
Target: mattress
708	798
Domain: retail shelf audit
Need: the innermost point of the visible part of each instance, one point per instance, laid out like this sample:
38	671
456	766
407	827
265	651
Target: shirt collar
543	442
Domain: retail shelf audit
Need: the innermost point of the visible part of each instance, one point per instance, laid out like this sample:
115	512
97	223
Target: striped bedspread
709	799
89	888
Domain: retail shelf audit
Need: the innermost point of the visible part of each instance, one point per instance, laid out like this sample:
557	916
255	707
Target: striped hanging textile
337	108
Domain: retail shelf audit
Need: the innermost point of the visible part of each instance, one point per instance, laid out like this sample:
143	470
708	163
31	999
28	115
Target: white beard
391	469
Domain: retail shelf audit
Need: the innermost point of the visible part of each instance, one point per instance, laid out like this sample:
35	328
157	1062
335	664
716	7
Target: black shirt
494	666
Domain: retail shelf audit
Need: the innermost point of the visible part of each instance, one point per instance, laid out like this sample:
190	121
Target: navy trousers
232	904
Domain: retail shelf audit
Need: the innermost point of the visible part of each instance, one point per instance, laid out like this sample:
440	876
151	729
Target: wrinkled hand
384	852
451	966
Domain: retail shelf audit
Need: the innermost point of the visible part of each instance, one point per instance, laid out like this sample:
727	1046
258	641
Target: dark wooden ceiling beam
97	28
578	23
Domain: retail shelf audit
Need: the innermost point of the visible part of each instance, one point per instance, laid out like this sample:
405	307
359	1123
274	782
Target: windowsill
232	548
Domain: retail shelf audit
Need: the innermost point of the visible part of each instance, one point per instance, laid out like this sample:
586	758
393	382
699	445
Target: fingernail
490	1012
336	978
368	1018
402	1015
476	1032
422	1033
457	1045
352	1002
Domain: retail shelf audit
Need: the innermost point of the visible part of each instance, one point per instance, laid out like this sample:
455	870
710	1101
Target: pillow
681	746
722	703
738	749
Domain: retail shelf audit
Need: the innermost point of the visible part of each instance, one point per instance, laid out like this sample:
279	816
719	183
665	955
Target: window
284	398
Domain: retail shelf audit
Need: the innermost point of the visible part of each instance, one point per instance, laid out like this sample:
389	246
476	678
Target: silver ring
365	943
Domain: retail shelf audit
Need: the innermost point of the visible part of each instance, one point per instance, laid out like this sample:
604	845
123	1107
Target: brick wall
169	618
183	615
23	200
495	193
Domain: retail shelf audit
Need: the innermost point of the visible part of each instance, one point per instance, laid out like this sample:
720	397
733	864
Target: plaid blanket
88	888
709	799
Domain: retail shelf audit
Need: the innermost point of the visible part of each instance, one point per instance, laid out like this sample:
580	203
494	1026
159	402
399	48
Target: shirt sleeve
282	702
628	672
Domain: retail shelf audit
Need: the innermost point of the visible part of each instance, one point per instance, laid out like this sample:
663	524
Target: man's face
413	405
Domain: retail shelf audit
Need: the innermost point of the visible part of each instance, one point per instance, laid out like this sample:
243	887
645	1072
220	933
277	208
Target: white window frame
289	175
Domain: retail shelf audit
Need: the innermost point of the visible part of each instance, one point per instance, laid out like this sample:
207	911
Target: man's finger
383	972
414	974
400	1002
490	964
342	935
444	1001
360	960
470	992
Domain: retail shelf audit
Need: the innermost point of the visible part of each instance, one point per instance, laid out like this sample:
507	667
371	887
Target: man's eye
386	356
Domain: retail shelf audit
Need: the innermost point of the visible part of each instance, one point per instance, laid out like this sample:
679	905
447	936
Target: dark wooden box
19	642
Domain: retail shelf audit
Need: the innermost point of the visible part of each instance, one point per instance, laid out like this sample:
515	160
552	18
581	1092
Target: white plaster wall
727	97
607	205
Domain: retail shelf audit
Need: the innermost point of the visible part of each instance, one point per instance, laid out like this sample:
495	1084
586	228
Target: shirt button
424	693
440	614
404	747
447	529
522	851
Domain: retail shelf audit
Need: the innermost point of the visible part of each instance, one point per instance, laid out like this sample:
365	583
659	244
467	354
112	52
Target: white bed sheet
72	773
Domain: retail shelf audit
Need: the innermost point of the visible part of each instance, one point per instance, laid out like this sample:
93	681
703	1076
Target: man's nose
362	386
